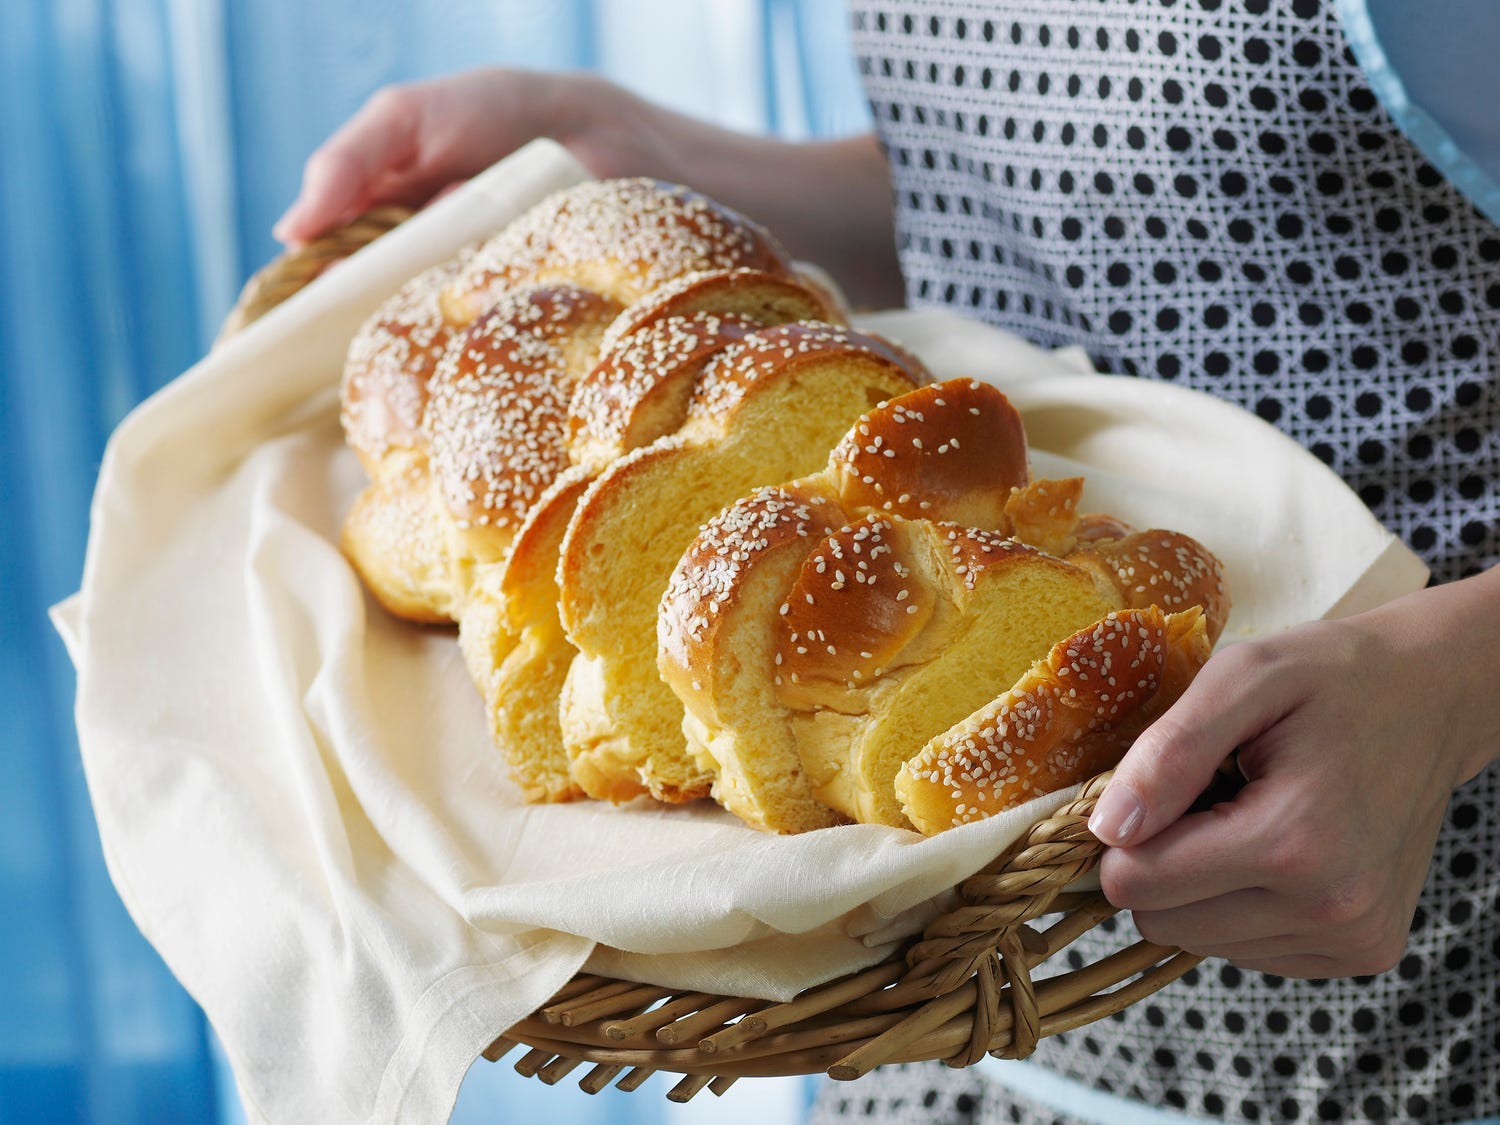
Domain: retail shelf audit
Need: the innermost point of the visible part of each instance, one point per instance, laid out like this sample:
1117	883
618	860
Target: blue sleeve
1432	66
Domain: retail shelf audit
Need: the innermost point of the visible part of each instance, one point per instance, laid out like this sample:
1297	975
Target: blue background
146	147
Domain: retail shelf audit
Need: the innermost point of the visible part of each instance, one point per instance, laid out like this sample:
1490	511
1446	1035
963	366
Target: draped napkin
296	794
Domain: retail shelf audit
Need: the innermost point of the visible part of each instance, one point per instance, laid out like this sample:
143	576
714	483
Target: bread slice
716	634
513	640
516	651
1072	715
768	409
896	629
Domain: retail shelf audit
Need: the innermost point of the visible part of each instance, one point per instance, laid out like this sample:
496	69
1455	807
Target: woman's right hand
409	142
827	201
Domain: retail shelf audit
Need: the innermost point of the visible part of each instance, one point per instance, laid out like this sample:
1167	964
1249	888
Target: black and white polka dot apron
1207	191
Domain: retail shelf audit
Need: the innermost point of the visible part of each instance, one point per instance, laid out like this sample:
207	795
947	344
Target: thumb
1174	759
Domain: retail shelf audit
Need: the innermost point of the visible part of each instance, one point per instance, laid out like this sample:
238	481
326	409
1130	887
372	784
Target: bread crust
707	588
621	238
390	362
948	451
496	418
1162	568
779	353
1072	715
640	389
756	295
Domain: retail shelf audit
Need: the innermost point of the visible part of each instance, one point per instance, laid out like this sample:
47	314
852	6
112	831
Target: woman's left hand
1352	736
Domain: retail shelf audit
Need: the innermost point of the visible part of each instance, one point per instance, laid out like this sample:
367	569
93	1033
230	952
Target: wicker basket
960	992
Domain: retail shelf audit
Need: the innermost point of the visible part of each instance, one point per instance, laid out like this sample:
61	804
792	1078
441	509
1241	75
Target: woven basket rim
961	991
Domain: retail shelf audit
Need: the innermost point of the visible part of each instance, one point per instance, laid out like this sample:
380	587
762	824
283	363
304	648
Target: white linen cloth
295	791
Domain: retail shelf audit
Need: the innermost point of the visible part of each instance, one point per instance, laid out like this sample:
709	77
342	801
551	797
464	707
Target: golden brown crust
397	544
779	352
758	296
850	613
1161	568
708	585
947	451
390	362
865	594
1072	715
1044	513
639	390
496	418
621	238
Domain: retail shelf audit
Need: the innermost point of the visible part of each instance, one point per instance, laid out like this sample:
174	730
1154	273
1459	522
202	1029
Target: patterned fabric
1206	191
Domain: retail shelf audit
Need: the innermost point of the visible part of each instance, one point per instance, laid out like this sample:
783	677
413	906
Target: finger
415	189
1242	917
337	179
1201	856
1174	759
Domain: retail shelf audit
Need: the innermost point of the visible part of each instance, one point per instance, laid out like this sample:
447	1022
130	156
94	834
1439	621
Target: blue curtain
146	146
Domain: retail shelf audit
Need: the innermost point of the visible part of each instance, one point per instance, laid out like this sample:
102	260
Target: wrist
1448	639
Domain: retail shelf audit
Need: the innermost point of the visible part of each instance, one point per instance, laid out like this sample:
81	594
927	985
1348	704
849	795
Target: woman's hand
409	142
828	202
1352	736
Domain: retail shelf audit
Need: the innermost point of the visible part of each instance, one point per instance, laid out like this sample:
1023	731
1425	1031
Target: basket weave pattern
963	990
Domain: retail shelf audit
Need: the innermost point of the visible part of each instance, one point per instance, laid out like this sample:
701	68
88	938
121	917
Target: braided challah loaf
551	418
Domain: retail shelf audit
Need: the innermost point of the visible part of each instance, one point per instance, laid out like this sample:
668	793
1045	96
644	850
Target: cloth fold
296	793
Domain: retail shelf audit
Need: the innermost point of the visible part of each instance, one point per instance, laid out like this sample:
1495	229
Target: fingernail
1117	814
